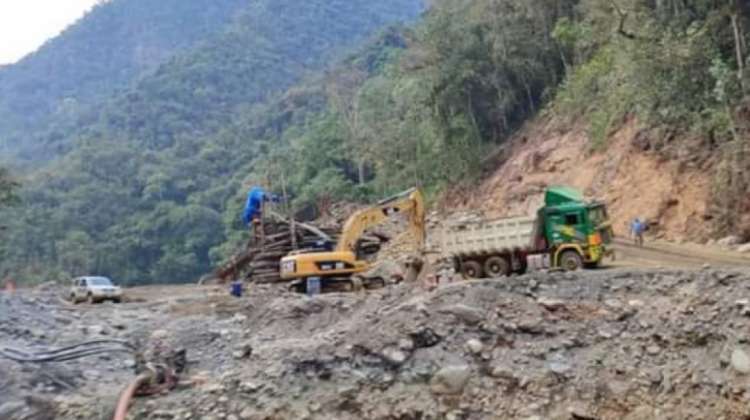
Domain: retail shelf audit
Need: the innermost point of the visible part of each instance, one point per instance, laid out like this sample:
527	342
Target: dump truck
567	233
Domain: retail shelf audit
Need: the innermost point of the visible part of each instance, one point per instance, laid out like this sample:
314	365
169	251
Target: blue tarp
255	198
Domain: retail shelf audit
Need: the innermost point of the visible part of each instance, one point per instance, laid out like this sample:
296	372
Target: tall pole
290	214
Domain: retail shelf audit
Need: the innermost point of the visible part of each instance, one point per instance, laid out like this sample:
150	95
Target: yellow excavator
342	268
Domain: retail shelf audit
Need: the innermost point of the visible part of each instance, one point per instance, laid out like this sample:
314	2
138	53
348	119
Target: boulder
740	361
450	380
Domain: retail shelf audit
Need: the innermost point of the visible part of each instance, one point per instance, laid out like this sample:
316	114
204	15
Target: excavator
342	268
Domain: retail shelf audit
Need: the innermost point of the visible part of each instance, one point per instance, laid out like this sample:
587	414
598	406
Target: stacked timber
266	261
260	260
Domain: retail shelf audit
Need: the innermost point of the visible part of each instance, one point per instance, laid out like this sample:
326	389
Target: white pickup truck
94	289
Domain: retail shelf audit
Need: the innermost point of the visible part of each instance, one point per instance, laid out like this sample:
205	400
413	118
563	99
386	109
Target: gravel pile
604	345
596	345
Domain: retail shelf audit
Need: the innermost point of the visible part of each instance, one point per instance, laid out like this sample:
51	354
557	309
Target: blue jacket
255	199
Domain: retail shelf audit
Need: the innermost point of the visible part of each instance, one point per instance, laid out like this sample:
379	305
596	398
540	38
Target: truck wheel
523	267
471	270
571	261
496	267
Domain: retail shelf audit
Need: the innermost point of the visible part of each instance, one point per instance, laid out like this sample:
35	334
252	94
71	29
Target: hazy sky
26	24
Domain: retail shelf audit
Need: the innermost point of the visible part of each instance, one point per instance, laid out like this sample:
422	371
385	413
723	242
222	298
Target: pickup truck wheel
90	299
73	299
571	261
471	270
496	267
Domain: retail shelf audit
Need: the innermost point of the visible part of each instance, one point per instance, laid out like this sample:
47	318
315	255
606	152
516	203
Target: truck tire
496	267
523	266
471	270
571	261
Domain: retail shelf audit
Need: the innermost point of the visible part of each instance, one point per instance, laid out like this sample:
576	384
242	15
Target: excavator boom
410	202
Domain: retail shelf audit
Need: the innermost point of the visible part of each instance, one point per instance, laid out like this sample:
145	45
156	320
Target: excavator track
356	283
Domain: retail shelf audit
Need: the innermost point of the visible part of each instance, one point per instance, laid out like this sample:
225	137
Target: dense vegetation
153	189
59	87
475	70
137	192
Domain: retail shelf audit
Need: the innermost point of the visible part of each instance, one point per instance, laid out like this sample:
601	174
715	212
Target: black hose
11	350
71	352
20	356
95	342
59	353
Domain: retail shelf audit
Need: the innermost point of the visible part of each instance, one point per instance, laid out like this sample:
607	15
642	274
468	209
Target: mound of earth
609	344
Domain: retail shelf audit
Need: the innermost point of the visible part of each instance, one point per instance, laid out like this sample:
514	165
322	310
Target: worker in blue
254	203
636	229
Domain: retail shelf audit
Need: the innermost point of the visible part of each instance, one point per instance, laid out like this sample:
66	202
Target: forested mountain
111	47
136	192
152	190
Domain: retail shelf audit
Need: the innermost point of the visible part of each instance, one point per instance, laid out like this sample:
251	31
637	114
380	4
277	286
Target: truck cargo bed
491	236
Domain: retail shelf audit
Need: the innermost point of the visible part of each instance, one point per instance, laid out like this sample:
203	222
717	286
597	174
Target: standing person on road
636	230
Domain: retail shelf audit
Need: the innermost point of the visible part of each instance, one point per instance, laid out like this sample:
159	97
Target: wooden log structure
261	263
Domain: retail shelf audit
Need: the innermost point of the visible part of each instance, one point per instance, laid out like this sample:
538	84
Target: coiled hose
80	350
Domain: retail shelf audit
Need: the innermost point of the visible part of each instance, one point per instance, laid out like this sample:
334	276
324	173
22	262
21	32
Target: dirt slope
632	182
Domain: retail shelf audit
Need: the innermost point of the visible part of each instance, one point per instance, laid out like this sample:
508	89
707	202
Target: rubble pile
336	214
596	345
602	345
36	320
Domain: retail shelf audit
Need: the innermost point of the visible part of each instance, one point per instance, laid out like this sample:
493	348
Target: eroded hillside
633	182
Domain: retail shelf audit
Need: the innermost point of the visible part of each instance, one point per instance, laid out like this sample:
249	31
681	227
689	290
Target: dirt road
661	254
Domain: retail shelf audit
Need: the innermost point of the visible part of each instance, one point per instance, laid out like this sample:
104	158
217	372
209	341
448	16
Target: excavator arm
410	202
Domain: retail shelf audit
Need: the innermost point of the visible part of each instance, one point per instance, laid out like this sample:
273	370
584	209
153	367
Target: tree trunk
361	170
566	66
738	38
289	212
477	133
529	95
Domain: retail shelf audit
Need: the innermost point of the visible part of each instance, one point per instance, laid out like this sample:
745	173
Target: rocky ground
607	344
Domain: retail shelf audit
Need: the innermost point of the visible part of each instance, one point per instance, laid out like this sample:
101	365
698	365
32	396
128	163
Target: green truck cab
575	232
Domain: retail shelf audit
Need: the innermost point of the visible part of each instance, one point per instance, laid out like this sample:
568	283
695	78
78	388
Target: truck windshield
597	214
